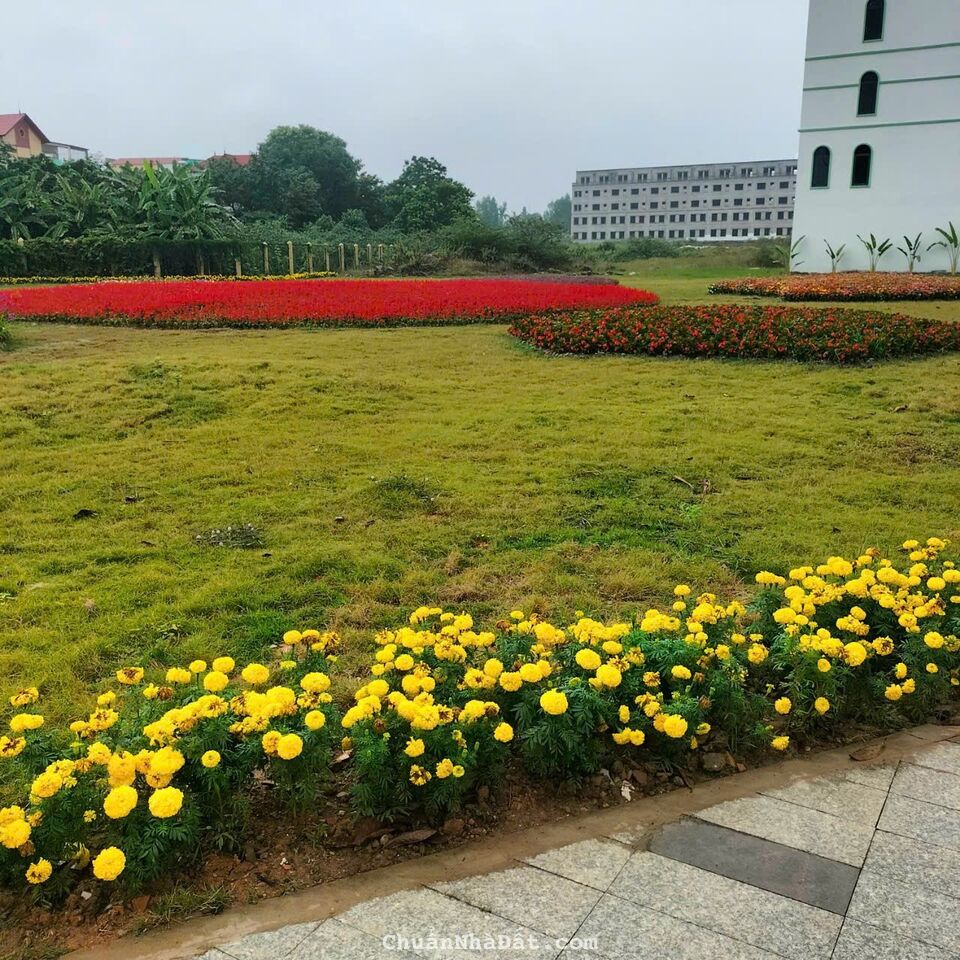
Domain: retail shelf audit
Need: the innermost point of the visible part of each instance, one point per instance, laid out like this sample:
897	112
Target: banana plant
875	249
835	255
950	243
911	250
789	254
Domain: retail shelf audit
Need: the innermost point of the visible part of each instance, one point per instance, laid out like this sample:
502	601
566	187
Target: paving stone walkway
861	866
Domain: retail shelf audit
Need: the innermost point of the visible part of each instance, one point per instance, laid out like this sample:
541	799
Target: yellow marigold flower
315	720
25	696
757	653
404	662
375	688
289	746
119	802
681	590
122	769
197	666
554	702
780	743
178	675
14	834
223	664
211	759
215	681
458	771
11	747
414	748
255	674
165	802
680	672
785	615
320	682
609	675
623	714
418	775
292	637
503	732
894	692
89	816
130	675
444	769
588	659
530	673
932	668
39	872
934	640
936	584
510	681
46	785
854	653
269	741
109	864
151	691
900	671
26	721
909	685
783	706
674	726
821	705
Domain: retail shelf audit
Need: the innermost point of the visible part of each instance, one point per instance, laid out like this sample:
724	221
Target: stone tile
931	786
742	912
916	913
542	901
934	731
430	925
922	821
594	863
944	756
272	945
911	861
860	941
334	940
794	826
213	955
842	798
623	932
879	778
770	866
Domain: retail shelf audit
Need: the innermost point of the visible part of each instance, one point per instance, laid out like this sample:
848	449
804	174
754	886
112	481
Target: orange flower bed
845	286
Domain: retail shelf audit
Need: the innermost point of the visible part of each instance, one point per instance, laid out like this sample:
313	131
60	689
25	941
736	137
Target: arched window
869	86
821	167
862	161
873	22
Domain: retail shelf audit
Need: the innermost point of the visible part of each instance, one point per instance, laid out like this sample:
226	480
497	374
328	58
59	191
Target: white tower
880	129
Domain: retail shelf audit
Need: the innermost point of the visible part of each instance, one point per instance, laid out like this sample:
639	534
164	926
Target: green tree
558	211
423	197
491	213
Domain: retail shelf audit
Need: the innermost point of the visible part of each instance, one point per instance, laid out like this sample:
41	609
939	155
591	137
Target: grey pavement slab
542	901
879	778
762	863
842	798
912	861
944	756
644	934
931	786
794	826
273	944
594	863
440	927
910	911
860	941
334	940
738	910
928	822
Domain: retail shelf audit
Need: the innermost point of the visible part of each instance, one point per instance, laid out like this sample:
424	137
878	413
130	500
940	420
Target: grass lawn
388	468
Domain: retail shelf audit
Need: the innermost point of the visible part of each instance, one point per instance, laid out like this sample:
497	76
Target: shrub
832	335
844	286
159	772
6	337
203	303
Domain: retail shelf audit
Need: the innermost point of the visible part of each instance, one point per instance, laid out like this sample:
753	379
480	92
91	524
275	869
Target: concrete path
860	865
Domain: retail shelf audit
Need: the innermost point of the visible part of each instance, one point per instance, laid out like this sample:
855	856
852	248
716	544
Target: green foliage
423	197
6	337
490	213
559	211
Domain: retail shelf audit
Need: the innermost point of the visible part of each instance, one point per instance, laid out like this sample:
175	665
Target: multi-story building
26	139
706	202
880	129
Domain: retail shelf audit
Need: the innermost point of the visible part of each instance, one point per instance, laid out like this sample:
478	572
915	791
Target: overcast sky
512	95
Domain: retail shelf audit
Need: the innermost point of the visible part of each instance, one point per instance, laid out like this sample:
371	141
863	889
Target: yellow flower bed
161	765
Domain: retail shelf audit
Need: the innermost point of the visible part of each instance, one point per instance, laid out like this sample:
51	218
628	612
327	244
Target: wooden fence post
236	267
326	259
369	256
309	258
380	253
356	256
156	264
290	269
343	257
266	259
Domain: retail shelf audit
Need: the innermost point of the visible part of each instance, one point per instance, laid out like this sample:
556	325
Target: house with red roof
18	131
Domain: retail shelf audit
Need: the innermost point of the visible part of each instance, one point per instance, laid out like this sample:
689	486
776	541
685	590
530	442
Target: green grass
381	469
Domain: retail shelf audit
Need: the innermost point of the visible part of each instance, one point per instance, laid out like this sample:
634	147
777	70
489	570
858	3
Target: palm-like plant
835	255
911	250
950	243
875	249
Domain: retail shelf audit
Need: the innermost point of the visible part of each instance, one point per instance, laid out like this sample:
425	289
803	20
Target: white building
880	129
708	201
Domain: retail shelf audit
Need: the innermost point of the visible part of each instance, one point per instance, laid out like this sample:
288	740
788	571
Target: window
869	86
862	161
821	168
873	22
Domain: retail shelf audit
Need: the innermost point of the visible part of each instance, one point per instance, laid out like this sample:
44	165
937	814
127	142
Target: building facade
705	202
22	135
880	130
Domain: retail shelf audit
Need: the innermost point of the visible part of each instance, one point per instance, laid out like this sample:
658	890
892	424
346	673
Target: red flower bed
845	286
837	336
269	303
